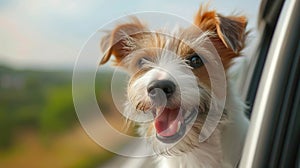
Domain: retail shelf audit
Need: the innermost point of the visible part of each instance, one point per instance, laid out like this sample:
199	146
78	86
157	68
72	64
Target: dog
169	79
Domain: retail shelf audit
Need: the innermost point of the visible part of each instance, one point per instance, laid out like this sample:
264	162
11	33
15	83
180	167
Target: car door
273	89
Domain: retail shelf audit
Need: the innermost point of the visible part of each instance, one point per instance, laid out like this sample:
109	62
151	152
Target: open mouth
170	124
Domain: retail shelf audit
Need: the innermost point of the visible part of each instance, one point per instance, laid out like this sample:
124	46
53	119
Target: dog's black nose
168	87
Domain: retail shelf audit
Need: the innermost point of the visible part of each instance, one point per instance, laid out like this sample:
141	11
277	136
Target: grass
39	126
72	149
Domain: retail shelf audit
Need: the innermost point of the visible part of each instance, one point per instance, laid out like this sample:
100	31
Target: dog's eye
195	61
142	61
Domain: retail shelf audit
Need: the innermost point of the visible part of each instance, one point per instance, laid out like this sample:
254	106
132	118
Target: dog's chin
171	124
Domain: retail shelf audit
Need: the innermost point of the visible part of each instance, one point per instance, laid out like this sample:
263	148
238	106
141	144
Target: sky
49	34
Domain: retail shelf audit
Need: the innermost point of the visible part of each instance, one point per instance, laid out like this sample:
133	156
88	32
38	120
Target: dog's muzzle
170	122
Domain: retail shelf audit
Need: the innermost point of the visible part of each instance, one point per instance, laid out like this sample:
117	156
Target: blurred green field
38	124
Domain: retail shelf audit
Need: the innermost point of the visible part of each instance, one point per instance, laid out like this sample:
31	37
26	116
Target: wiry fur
165	56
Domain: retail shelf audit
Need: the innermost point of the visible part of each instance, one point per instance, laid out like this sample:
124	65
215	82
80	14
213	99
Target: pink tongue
166	123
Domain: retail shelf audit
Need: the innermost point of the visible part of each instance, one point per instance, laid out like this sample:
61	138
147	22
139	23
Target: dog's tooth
178	126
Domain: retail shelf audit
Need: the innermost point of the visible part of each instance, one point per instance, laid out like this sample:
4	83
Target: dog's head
168	72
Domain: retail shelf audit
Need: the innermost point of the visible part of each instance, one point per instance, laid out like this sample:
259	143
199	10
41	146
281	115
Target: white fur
228	136
223	147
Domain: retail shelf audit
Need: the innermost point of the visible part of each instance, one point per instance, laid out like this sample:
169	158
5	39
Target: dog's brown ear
121	41
230	29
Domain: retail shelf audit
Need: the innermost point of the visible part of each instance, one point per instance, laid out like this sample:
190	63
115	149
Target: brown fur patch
230	29
117	42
